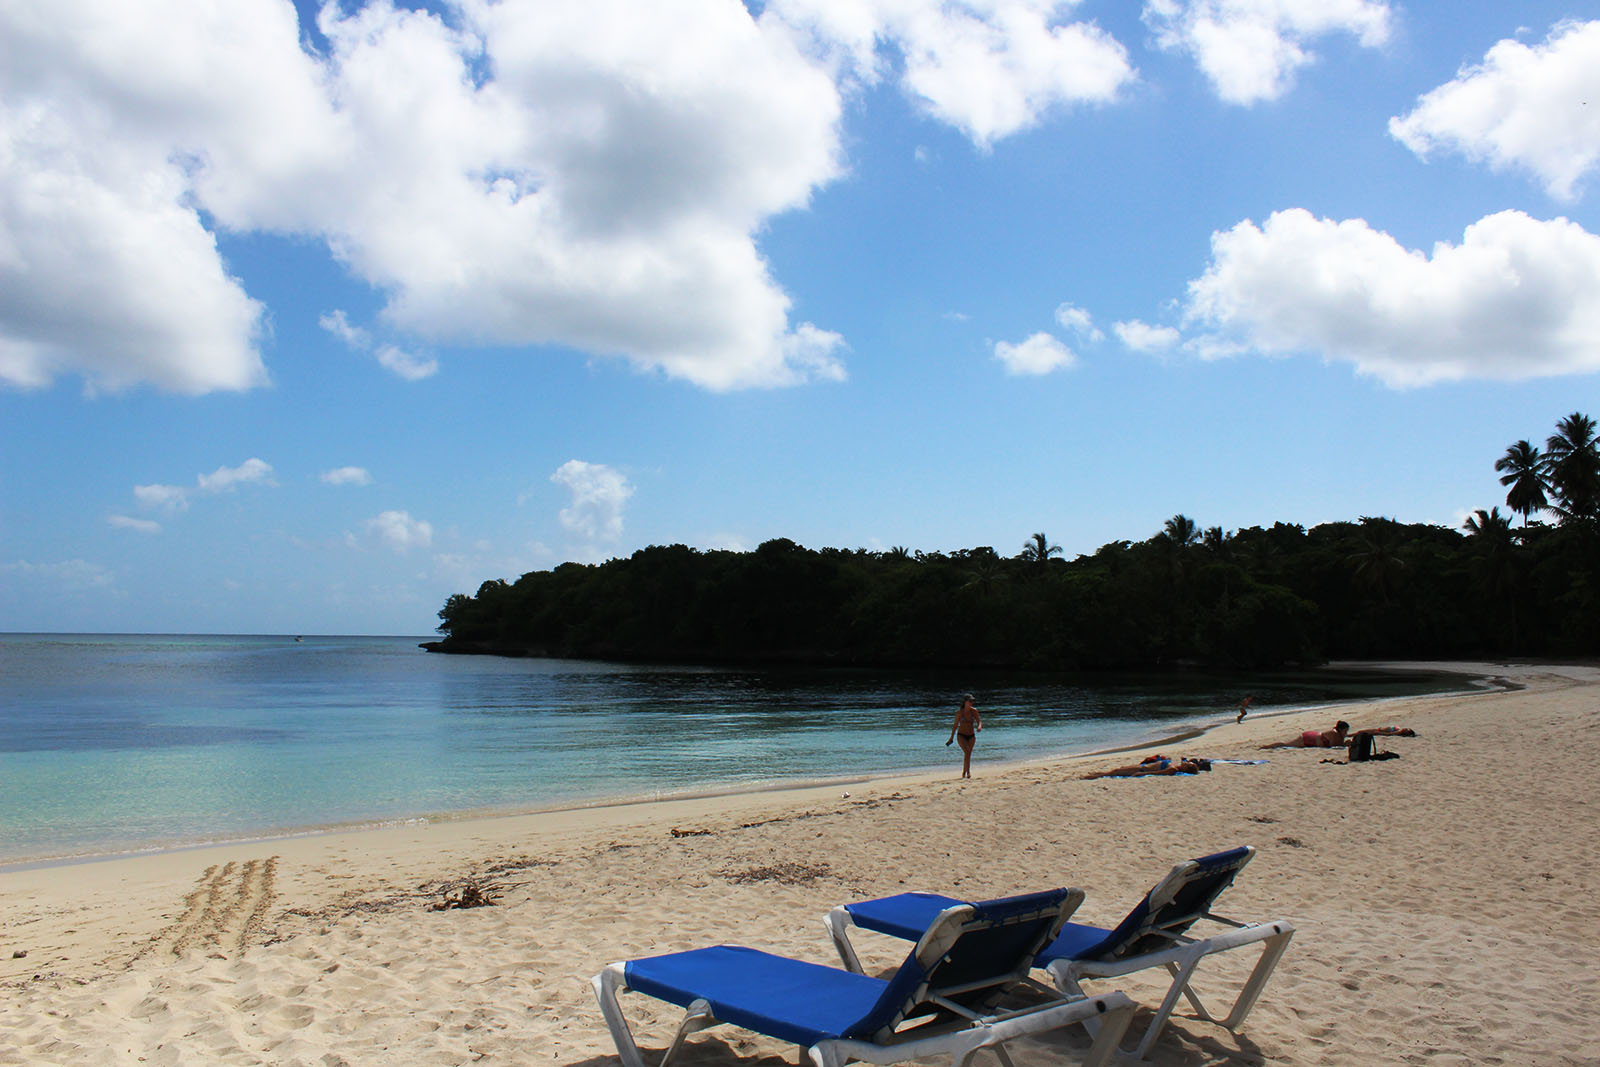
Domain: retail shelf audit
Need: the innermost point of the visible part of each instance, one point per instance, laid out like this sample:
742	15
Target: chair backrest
968	951
1184	895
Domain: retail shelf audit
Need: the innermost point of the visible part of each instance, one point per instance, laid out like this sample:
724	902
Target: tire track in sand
224	913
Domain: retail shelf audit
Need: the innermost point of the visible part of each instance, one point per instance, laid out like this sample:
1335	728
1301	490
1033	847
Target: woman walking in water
968	723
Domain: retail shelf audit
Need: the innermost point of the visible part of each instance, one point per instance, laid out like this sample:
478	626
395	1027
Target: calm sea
117	743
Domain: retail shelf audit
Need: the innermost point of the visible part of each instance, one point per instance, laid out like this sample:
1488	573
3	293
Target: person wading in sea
968	723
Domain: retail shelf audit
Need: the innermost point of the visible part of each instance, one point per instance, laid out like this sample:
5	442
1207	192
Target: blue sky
312	317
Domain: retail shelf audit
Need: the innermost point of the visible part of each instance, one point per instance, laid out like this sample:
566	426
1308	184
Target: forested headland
1258	597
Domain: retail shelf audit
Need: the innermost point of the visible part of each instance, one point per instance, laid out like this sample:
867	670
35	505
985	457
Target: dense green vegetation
1256	597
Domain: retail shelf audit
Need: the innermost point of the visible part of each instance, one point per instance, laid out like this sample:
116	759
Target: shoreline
1176	733
1414	888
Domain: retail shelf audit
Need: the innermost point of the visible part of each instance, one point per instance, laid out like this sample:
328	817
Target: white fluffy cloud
346	476
222	480
1079	321
599	493
163	497
1516	298
1143	337
987	67
1039	354
407	365
1251	49
400	531
583	175
109	276
1530	108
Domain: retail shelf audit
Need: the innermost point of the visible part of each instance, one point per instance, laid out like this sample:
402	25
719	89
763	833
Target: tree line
1258	597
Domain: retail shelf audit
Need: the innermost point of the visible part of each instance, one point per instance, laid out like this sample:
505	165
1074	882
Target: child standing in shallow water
968	723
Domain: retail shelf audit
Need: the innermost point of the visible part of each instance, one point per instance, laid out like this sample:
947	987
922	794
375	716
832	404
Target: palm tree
1522	470
1181	530
1178	534
1572	468
1496	562
1038	550
1490	526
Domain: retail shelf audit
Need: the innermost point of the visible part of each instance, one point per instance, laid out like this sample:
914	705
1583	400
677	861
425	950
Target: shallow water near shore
117	743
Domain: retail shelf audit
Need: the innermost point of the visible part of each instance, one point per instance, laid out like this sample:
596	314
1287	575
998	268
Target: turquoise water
117	743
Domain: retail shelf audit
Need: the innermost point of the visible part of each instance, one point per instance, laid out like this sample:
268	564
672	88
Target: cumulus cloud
1535	109
400	531
1079	322
599	493
1143	337
407	365
1039	354
223	479
1250	50
164	497
346	476
1517	298
988	67
578	176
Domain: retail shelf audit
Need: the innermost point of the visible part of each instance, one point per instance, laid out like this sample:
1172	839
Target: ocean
111	744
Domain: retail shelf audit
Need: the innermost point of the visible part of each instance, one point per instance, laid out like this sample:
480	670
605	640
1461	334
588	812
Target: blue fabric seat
1153	934
949	996
789	999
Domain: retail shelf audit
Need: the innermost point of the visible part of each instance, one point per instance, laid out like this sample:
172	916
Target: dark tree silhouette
1038	550
1522	472
1572	468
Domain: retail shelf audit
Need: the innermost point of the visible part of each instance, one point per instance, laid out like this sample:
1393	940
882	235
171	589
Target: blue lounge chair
951	996
1154	934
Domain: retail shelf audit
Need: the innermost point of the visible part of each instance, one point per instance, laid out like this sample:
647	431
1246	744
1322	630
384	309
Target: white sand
1447	905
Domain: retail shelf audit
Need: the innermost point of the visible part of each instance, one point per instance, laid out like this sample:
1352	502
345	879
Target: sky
313	316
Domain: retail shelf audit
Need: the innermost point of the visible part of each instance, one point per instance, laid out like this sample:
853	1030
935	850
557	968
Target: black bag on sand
1365	748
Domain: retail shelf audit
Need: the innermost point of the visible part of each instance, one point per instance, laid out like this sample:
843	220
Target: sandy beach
1446	904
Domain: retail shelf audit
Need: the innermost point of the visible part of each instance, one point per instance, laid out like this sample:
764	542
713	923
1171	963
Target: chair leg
697	1018
613	981
838	922
1180	984
1274	950
1068	983
607	984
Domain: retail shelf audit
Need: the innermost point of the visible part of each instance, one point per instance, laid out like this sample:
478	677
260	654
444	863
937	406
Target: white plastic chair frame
1180	961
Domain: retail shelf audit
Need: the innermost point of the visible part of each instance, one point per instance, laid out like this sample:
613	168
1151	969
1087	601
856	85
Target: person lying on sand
1340	736
1333	738
1156	765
